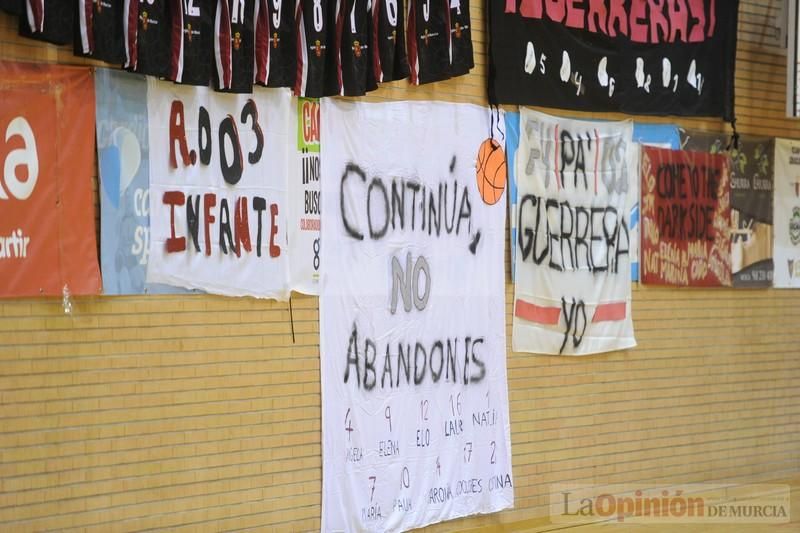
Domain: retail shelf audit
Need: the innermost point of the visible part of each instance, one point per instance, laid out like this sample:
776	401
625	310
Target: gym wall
200	412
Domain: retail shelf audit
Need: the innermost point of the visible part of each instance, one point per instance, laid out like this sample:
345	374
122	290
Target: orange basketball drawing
491	171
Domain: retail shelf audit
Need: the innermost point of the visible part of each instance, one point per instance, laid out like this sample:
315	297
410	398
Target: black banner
644	57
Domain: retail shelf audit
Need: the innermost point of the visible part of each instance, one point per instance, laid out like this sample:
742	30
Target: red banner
47	214
686	212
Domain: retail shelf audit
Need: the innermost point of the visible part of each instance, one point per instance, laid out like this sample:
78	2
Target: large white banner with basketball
412	317
577	182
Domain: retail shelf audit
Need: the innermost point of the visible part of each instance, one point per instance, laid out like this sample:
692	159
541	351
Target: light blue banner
122	151
662	135
512	143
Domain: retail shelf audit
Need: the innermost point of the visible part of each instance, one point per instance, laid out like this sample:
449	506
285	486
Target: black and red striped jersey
99	30
317	48
45	20
429	40
275	43
147	35
355	48
234	55
191	41
460	38
388	41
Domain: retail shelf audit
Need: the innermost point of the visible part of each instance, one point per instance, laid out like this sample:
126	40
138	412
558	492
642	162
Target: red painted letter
698	10
658	21
712	25
177	132
173	198
241	227
575	15
209	201
678	20
531	9
617	13
638	27
274	249
597	11
556	10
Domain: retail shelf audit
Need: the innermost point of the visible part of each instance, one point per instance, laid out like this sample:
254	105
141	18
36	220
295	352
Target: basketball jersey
234	57
190	42
355	52
276	44
317	52
429	40
45	20
147	36
460	38
389	44
99	32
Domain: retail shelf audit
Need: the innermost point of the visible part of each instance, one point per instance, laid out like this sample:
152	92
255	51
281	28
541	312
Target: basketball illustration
491	171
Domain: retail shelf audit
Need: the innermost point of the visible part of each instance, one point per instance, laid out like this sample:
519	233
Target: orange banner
47	215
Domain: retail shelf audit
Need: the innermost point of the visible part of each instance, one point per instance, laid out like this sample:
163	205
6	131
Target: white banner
577	181
218	179
786	217
304	198
412	319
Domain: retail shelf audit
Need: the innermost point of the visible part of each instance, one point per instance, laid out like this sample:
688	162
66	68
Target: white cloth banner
304	198
218	179
415	420
577	181
786	215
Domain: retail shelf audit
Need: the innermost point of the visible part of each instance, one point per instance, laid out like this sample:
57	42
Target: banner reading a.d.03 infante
218	189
